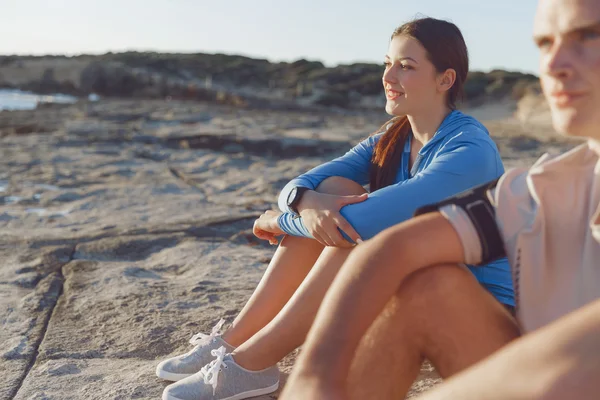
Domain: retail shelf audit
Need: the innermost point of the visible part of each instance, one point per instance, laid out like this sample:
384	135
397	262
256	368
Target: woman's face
410	79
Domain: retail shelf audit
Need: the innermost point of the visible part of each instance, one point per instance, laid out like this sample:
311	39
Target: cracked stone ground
125	228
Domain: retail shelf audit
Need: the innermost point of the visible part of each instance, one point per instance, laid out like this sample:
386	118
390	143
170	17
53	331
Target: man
545	219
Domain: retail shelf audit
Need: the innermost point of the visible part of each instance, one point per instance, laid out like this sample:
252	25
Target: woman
428	151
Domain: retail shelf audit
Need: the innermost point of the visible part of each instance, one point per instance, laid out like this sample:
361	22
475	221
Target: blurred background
311	52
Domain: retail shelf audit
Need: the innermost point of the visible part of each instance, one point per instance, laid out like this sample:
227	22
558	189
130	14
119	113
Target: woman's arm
462	165
354	165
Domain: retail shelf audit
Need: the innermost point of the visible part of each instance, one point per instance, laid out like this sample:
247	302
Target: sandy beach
125	228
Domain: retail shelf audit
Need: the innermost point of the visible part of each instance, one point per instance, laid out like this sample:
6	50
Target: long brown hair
446	49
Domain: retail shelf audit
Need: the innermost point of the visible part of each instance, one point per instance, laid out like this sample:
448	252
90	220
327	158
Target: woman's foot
182	366
224	379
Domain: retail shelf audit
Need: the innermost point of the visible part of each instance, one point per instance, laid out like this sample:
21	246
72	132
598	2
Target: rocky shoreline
231	79
125	228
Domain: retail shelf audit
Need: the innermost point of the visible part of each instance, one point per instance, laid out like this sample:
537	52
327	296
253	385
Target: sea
19	100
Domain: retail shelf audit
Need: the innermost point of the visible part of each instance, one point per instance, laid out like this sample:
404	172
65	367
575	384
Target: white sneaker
224	379
182	366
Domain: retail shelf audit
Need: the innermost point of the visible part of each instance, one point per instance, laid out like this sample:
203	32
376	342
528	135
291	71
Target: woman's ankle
245	360
231	338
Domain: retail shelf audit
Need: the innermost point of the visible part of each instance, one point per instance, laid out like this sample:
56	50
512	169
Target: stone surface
125	228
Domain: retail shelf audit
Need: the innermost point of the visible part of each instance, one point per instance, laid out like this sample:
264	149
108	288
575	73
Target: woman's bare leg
292	261
289	328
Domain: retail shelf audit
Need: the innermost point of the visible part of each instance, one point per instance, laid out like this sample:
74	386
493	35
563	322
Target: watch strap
296	200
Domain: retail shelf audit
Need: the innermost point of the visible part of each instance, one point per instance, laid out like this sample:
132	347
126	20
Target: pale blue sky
497	32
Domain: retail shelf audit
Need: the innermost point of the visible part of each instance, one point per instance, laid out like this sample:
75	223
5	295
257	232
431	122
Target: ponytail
387	154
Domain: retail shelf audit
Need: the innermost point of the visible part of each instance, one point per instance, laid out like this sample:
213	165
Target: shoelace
202	338
210	372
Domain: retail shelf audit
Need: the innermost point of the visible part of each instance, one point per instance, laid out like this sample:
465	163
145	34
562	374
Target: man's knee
436	283
340	186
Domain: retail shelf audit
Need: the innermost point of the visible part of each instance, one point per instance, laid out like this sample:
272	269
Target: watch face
292	196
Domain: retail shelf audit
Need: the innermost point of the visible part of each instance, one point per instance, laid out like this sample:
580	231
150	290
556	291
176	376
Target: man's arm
369	278
559	361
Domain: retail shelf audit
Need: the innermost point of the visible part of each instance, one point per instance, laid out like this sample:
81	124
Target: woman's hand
267	228
321	215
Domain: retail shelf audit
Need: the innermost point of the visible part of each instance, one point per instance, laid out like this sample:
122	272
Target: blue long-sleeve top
460	155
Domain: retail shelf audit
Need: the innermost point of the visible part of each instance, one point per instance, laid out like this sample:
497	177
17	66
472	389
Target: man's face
567	33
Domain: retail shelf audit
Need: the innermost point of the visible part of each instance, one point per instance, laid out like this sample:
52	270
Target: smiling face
567	33
410	80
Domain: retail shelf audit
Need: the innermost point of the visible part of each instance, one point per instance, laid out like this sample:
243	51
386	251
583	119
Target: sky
498	33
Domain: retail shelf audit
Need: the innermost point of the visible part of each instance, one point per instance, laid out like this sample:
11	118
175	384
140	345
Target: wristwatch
295	196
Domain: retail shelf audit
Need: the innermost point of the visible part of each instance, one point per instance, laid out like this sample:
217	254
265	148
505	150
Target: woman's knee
340	186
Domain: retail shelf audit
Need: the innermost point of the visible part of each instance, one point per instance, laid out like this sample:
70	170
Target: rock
331	99
6	217
283	148
48	84
13	372
109	79
24	311
66	197
229	79
91	379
